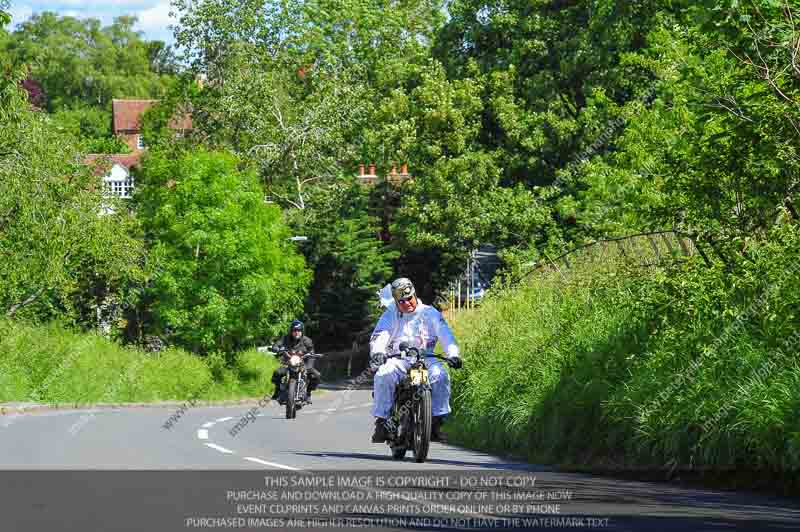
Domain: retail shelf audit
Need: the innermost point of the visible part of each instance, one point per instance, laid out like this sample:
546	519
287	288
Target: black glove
377	360
454	362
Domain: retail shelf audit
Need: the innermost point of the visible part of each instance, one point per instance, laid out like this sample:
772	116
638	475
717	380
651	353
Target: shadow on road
438	461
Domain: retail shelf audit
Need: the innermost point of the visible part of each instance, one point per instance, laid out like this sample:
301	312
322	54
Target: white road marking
386	493
218	448
208	425
271	464
203	434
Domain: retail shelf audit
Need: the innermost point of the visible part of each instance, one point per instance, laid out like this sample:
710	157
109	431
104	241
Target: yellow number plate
418	376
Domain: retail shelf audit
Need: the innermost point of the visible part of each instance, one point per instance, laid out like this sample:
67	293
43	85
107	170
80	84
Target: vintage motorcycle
409	426
295	383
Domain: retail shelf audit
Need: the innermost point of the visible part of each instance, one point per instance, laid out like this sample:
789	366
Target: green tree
5	16
298	130
158	121
81	63
91	126
227	276
350	261
455	201
349	33
713	150
60	252
554	68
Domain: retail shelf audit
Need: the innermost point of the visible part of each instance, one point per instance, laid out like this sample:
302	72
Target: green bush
628	367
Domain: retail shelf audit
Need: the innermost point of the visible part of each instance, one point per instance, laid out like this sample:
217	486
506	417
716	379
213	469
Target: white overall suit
421	329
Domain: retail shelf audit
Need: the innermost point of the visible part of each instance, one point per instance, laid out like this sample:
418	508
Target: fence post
653	243
684	247
668	242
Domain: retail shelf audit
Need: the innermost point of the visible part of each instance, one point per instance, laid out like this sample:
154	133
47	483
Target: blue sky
153	14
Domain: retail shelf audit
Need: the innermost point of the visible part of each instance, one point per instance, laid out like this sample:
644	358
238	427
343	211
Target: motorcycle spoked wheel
401	443
422	426
291	395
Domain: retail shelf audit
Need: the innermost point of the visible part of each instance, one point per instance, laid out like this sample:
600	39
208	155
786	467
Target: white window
119	182
121	189
140	142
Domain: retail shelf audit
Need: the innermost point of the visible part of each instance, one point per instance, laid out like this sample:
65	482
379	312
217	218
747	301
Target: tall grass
50	364
626	367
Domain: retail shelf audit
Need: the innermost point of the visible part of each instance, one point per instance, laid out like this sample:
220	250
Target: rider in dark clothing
296	341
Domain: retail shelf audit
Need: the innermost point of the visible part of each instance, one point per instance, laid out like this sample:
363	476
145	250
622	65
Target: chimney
393	178
368	178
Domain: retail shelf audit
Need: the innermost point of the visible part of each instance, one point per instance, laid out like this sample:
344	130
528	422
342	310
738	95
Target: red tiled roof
127	113
101	163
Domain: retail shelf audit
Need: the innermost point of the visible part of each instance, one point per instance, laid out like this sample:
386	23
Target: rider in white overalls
421	326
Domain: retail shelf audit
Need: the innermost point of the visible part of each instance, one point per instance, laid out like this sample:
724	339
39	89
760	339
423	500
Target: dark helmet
402	288
296	325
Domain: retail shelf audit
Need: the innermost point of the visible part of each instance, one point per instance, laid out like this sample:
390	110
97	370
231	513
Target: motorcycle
409	426
295	383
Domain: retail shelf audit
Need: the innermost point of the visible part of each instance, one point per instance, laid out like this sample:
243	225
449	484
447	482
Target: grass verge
613	367
49	364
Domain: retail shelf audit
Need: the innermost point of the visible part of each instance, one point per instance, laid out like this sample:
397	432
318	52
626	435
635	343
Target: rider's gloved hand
377	360
454	362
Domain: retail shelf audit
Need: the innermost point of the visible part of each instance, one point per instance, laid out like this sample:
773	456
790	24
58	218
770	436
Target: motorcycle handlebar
305	356
283	351
426	354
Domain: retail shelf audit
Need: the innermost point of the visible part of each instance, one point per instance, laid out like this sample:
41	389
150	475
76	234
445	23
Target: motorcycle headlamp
295	361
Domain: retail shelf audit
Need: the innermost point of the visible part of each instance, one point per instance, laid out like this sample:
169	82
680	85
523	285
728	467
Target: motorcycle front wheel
291	396
422	426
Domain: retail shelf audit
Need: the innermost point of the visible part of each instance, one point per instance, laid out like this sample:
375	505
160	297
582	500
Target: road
121	469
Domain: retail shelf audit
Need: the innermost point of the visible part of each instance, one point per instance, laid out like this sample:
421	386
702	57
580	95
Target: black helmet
402	288
296	325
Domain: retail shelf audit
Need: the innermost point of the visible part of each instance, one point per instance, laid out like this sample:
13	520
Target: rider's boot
436	429
276	393
380	434
308	397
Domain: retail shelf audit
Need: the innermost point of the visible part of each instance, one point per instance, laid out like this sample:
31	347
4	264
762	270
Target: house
116	171
126	121
117	168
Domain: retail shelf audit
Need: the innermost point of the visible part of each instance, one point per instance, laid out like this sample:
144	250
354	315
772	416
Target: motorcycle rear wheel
291	395
422	426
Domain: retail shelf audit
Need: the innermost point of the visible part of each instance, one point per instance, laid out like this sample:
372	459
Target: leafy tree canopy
82	63
228	276
60	248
